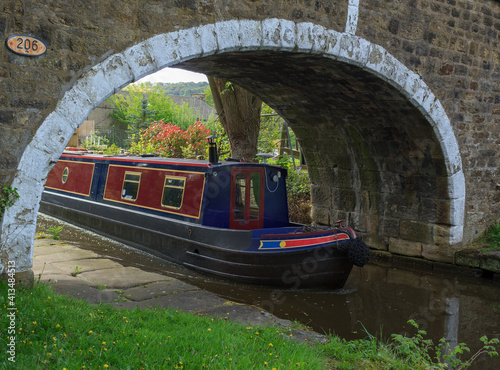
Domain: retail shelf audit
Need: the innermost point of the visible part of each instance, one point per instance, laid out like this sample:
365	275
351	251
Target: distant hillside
183	88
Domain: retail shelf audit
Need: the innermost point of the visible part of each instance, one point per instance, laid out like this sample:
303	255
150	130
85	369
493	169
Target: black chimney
212	150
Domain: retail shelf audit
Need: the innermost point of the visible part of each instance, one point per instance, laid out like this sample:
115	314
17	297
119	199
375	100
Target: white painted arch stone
167	50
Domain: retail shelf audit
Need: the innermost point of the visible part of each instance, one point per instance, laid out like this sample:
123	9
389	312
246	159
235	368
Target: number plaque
26	45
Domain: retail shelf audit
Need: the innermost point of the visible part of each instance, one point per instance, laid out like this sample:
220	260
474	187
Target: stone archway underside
371	130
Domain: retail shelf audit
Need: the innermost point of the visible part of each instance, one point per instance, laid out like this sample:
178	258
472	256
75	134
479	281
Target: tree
239	115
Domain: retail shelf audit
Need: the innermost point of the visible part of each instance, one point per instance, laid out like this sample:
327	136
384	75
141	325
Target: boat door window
240	194
173	192
131	184
247	198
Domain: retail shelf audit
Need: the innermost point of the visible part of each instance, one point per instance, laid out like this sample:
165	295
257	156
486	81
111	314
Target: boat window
173	192
131	185
65	175
254	195
240	193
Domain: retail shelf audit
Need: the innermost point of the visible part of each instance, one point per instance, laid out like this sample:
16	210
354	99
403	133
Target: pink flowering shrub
171	141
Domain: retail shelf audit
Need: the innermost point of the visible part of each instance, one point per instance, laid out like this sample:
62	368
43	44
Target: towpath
87	275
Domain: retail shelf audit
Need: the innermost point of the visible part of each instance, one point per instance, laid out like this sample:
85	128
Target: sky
173	75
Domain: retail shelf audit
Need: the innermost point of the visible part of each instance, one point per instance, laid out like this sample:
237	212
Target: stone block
140	61
227	34
468	257
54	133
416	231
355	50
405	247
74	107
456	234
278	34
438	253
490	261
208	39
189	44
95	86
163	49
250	34
380	243
304	39
117	71
332	44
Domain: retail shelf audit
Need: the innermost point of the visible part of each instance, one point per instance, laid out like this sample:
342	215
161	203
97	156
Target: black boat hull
204	249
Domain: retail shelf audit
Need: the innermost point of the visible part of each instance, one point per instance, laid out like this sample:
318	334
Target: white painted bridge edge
169	49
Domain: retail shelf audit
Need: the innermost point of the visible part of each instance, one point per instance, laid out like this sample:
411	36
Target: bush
171	141
494	236
299	196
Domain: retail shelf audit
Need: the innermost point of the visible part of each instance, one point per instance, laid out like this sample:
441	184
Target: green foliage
223	144
299	196
298	190
403	352
269	134
8	196
142	104
76	271
493	236
111	150
55	232
209	99
417	351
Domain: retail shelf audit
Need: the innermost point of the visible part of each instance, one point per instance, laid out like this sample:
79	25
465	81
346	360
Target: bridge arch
360	163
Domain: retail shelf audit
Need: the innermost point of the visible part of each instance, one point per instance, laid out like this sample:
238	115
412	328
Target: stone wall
396	105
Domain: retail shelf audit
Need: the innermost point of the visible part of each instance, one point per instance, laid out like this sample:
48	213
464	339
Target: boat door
247	198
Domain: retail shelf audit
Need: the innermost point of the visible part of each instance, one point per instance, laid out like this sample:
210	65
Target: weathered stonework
397	111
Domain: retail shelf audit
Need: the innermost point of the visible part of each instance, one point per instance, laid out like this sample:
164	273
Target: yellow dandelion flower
270	345
90	332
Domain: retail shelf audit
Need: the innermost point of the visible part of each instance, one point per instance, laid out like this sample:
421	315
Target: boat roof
160	160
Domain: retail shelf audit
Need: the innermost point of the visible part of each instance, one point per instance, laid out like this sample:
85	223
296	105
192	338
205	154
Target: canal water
377	299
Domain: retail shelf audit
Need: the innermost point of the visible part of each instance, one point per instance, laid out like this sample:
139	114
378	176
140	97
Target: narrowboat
224	218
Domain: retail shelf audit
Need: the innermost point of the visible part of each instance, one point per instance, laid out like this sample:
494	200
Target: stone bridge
396	103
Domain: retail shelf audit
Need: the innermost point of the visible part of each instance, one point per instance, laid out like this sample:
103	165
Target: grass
55	332
493	236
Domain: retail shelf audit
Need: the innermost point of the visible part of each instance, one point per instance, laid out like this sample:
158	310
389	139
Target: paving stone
188	302
142	293
122	277
85	265
61	253
62	278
